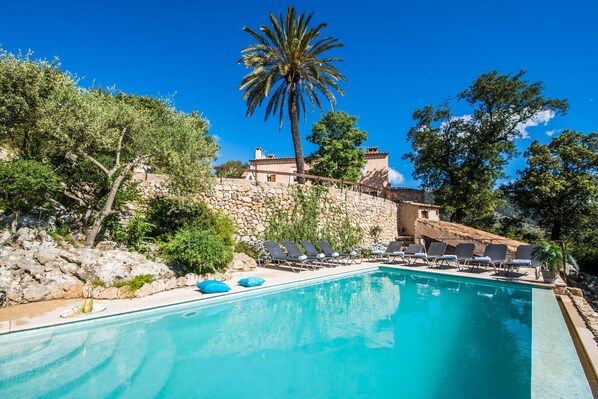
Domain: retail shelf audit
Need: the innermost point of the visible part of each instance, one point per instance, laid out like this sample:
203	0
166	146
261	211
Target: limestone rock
74	291
35	293
191	279
105	245
145	290
242	262
170	284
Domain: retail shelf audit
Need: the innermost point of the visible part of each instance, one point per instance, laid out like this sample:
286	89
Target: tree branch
98	164
119	148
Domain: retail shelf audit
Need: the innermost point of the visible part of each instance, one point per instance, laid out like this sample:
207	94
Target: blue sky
398	56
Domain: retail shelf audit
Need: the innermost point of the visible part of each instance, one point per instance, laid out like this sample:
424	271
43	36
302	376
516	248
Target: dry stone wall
250	206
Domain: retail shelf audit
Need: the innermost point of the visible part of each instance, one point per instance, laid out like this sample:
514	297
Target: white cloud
394	177
539	118
553	132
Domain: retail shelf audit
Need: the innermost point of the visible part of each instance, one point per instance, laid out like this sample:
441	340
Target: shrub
133	235
199	249
135	283
62	234
170	214
25	184
245	248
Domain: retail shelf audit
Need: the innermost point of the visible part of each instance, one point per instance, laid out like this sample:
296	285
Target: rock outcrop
36	269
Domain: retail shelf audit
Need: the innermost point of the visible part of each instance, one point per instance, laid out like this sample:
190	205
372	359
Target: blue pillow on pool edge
212	286
251	281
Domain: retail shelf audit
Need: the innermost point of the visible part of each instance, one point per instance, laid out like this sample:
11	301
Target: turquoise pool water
380	334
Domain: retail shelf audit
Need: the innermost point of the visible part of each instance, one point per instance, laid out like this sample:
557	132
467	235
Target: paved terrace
42	314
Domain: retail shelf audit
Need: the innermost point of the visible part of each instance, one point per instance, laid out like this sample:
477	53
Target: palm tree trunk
294	116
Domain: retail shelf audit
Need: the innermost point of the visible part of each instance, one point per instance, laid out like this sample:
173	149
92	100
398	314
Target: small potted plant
550	256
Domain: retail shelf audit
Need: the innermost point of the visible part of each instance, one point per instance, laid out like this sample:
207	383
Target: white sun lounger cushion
482	259
320	256
302	257
398	253
448	257
352	253
521	262
335	254
377	252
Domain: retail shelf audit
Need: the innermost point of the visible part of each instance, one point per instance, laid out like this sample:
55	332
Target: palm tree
286	66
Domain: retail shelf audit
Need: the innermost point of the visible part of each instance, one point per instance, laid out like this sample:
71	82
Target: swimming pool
383	333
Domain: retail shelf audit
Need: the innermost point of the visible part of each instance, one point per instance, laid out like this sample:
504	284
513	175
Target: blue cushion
448	257
482	259
523	262
420	255
251	281
212	286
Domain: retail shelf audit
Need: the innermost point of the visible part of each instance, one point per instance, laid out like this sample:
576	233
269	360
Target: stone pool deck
42	314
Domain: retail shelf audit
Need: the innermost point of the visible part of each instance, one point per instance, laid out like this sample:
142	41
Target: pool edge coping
583	340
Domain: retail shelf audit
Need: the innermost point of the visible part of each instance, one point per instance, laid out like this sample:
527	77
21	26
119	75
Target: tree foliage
559	186
339	154
26	87
461	158
25	184
230	169
97	137
288	64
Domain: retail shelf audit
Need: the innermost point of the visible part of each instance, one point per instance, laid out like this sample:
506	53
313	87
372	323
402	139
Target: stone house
375	172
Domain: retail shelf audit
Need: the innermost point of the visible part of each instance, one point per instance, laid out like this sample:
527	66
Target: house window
294	178
424	214
271	178
374	193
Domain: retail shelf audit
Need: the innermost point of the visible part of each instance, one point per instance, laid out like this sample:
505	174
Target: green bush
170	214
62	234
135	283
133	235
199	249
245	248
25	184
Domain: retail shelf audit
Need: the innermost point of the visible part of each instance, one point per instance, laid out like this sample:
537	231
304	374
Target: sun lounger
341	257
494	255
523	257
435	251
312	251
412	254
392	250
462	254
294	252
277	256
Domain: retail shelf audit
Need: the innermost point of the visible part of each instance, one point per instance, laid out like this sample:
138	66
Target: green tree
230	169
287	66
25	184
559	186
128	132
26	87
339	154
95	137
461	158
